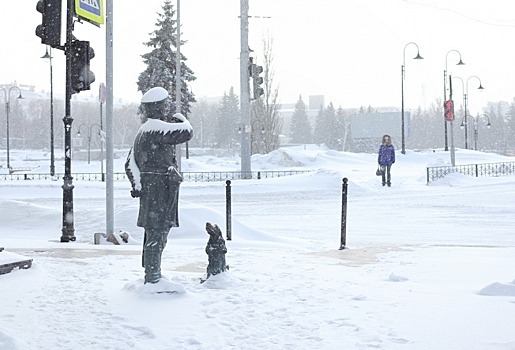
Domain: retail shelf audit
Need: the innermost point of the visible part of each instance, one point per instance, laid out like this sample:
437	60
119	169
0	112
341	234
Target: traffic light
449	110
82	76
257	80
50	28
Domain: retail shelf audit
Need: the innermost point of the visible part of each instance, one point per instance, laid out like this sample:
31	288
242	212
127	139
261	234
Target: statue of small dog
215	250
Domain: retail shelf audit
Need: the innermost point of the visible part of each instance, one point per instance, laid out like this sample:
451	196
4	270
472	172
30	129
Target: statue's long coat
150	168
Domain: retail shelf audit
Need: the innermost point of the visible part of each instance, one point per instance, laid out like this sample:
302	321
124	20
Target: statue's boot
152	251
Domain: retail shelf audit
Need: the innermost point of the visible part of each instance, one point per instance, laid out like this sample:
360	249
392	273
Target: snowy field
426	267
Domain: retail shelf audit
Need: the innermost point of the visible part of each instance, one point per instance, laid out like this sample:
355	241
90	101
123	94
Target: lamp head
418	57
460	63
46	56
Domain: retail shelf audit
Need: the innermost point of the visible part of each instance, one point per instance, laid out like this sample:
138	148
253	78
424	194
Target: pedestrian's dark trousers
386	174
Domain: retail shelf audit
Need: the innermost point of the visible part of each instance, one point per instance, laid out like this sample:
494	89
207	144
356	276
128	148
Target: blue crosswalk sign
90	10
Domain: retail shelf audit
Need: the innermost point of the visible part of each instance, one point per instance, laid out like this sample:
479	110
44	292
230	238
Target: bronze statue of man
151	167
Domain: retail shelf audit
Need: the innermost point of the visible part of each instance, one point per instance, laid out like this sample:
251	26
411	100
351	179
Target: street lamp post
465	90
476	132
460	63
466	100
48	55
89	130
417	57
7	100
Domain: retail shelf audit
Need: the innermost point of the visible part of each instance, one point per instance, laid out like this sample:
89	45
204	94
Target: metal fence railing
237	175
200	176
477	170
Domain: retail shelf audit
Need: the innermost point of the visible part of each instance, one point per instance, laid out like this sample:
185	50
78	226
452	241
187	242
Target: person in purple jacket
386	158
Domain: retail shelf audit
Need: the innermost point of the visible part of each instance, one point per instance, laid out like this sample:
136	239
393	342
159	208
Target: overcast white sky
349	51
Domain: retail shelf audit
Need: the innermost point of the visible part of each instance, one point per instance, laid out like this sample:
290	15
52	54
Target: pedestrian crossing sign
90	10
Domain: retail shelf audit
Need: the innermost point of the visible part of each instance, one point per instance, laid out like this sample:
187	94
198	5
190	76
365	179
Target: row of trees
427	131
217	125
29	123
333	127
428	128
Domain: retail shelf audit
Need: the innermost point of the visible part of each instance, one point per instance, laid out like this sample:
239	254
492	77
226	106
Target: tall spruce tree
227	120
345	130
300	128
161	62
333	128
327	128
319	136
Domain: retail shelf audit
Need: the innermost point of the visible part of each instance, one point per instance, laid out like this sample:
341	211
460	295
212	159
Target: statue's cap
155	94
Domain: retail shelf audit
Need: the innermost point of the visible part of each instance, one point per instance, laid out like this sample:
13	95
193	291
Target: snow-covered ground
426	266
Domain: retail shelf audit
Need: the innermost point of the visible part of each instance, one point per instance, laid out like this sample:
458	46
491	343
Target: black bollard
343	237
228	209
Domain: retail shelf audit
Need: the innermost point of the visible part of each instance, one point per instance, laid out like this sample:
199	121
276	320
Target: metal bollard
343	237
228	210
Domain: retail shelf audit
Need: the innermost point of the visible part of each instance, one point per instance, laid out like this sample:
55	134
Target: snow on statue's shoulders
156	125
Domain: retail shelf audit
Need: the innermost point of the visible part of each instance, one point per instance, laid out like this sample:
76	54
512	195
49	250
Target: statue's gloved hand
178	117
135	193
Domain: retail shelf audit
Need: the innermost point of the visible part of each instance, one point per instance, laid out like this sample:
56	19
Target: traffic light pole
246	171
68	230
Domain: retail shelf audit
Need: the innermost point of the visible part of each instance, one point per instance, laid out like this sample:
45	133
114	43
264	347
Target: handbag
174	176
379	172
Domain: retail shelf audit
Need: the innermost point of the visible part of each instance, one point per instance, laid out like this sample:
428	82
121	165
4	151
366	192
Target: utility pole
246	171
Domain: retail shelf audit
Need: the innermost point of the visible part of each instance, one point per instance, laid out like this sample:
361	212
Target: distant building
366	127
287	110
376	124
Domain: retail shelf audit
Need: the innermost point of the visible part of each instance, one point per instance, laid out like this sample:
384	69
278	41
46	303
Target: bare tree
266	125
127	124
